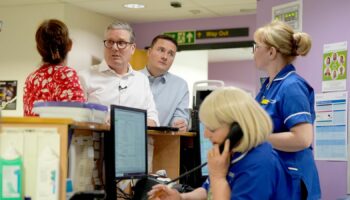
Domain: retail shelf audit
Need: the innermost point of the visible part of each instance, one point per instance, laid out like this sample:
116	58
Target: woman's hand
163	192
218	163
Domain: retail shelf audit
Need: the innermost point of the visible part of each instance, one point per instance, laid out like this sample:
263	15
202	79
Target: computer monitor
125	147
204	143
201	144
200	96
204	146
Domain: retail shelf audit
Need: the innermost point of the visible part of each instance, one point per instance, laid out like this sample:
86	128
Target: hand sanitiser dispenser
11	175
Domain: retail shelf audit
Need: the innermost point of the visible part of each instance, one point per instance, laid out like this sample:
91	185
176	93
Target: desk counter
167	145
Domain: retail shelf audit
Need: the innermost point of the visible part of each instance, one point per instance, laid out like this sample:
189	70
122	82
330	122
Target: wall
324	28
147	31
191	66
87	32
18	53
239	74
324	20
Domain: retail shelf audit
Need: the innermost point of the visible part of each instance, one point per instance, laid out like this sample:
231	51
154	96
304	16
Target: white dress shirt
104	86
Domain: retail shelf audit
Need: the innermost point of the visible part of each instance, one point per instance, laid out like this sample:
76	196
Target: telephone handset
234	136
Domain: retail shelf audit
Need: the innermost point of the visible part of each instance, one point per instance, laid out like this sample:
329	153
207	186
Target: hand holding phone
235	135
219	162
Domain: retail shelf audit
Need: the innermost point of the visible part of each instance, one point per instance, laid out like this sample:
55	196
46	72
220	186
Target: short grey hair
122	26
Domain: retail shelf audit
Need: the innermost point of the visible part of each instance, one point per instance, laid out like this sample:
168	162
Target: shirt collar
163	77
237	156
285	72
105	68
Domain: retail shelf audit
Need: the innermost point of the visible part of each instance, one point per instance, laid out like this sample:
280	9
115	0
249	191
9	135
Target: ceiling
161	10
155	10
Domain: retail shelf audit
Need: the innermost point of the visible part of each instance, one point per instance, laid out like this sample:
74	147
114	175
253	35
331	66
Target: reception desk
167	151
167	146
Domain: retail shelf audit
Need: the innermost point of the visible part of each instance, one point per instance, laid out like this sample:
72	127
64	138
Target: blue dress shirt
171	97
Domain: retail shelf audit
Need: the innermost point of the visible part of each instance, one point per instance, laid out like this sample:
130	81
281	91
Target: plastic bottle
47	184
11	175
69	188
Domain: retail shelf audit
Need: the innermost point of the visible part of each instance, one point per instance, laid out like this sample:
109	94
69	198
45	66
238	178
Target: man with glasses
113	81
170	92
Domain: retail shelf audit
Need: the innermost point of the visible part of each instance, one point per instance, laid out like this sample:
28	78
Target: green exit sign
183	37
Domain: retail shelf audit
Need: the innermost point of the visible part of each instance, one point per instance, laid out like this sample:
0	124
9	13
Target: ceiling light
134	5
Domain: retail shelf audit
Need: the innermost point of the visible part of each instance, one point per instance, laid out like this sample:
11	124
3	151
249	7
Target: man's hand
151	122
181	124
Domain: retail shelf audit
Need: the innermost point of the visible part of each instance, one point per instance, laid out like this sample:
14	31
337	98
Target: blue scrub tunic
260	174
289	100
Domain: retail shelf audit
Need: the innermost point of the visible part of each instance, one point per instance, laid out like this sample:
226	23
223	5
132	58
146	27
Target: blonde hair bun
303	43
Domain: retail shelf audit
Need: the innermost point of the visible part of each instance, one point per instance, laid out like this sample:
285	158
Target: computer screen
125	145
204	146
200	96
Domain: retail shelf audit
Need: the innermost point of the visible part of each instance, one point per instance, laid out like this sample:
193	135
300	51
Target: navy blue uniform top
260	174
289	100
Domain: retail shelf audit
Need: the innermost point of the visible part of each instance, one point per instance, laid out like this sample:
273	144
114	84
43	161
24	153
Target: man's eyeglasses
120	44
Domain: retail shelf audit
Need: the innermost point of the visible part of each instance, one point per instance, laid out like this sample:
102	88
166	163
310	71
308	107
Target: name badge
264	101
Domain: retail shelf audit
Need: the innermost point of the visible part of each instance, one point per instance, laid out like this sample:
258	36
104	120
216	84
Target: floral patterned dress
51	83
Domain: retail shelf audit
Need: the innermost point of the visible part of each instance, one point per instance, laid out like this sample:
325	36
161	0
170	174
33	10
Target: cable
186	178
132	186
187	173
121	193
202	165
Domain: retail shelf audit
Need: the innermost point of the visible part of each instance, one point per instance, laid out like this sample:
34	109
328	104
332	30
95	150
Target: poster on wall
331	126
334	67
291	13
8	95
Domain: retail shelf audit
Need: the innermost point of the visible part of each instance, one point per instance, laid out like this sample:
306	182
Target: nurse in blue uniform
251	169
289	100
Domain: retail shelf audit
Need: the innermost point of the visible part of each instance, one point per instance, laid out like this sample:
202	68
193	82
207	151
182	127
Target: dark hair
164	37
52	41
